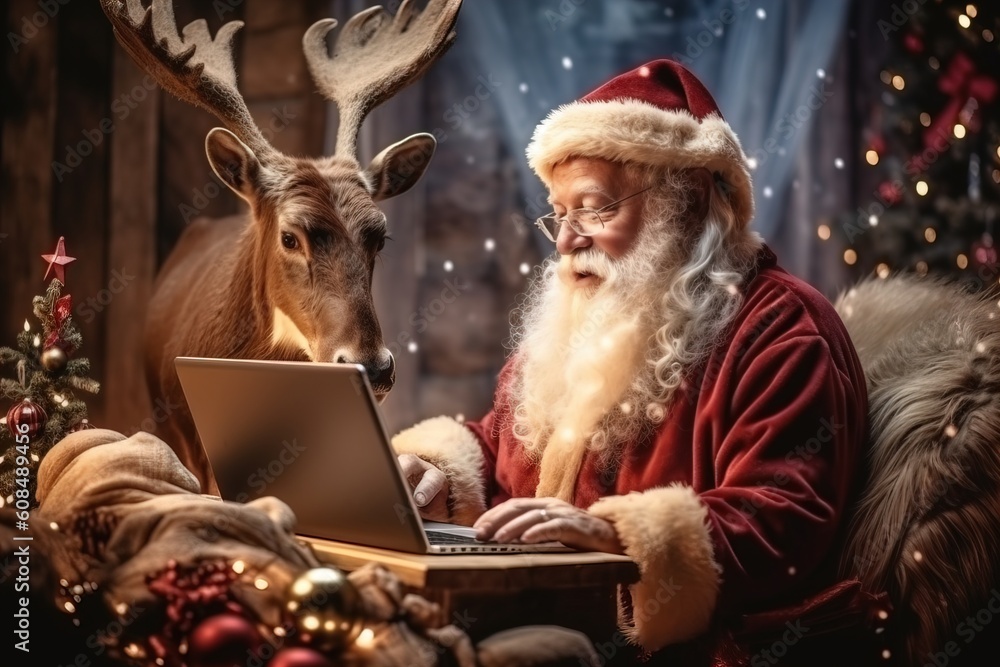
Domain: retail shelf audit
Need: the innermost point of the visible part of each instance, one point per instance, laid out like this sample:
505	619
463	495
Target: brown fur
927	528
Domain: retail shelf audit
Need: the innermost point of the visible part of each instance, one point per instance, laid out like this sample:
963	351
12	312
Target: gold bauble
54	358
325	608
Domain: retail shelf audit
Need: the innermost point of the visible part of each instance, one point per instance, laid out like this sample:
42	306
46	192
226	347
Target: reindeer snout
381	370
382	374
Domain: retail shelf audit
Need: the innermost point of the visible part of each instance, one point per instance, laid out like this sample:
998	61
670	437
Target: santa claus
673	394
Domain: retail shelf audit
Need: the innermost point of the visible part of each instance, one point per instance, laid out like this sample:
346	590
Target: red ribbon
61	310
961	83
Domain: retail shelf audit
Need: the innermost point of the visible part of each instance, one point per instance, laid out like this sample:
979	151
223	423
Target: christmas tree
933	143
45	408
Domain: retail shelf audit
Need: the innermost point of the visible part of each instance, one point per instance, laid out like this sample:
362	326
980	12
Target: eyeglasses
583	221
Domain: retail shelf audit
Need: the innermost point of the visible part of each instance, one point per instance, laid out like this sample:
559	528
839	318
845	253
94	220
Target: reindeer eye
289	241
381	244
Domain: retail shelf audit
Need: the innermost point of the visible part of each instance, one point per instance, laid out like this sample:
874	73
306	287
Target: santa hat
659	114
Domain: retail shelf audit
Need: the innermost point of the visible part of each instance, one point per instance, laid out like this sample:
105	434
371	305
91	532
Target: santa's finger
494	518
411	466
429	486
555	530
516	527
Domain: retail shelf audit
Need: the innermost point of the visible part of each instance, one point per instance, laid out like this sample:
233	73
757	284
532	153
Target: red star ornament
58	261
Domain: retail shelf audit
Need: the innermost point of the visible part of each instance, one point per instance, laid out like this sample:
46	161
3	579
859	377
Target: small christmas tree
45	407
933	144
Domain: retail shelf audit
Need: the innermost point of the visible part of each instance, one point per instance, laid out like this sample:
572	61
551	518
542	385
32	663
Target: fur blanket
927	529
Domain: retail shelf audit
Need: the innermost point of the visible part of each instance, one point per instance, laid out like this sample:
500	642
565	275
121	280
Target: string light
987	35
921	188
898	83
872	157
886	77
959	131
996	175
922	268
934	62
449	266
37	342
964	21
27	327
930	235
873	220
925	119
971	10
850	257
366	639
962	261
882	270
823	231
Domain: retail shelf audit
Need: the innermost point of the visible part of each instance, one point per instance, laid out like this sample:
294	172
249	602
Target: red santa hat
659	114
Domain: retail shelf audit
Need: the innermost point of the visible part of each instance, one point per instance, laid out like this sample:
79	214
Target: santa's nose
568	240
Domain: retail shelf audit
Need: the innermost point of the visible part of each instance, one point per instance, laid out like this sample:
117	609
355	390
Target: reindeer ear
232	161
396	169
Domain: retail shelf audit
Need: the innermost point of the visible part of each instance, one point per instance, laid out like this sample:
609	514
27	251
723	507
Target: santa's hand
429	484
532	520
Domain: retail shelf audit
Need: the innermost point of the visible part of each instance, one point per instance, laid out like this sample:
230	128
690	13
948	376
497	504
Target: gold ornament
325	608
54	359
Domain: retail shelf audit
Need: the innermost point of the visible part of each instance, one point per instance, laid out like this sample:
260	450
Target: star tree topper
58	261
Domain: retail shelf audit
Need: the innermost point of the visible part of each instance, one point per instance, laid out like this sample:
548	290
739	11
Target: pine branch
88	385
11	389
78	367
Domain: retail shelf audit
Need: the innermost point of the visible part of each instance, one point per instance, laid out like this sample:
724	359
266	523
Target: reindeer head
316	228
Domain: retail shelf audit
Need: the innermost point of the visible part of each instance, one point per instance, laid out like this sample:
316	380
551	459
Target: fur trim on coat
665	531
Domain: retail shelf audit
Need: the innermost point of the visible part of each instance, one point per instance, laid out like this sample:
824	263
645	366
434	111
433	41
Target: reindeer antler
194	67
375	56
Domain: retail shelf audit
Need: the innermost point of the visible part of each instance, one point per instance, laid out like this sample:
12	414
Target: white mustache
592	262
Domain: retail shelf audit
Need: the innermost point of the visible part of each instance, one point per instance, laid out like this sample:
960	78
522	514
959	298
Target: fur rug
927	529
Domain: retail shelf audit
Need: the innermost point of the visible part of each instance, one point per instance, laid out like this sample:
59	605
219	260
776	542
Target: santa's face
594	183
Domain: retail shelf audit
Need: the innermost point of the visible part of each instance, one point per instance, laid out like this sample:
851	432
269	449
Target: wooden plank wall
26	179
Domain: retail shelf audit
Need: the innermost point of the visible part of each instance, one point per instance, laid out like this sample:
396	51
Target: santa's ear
703	182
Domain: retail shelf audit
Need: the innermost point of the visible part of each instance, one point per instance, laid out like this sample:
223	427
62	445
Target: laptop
311	434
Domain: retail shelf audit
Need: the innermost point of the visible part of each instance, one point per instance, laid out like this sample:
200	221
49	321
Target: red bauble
26	413
225	640
299	657
890	193
984	253
913	43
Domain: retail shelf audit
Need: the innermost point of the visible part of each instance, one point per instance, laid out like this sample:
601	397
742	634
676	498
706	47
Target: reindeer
291	281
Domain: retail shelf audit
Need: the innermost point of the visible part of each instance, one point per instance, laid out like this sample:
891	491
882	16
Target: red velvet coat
739	502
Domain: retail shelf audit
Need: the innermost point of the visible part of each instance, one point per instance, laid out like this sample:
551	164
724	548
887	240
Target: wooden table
483	594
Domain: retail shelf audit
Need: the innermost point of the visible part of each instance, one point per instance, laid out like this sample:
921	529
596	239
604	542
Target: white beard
583	370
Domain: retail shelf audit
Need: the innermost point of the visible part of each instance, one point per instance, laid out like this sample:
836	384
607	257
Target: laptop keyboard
435	537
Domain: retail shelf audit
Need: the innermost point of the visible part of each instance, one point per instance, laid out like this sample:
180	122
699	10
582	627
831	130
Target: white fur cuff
665	531
454	449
